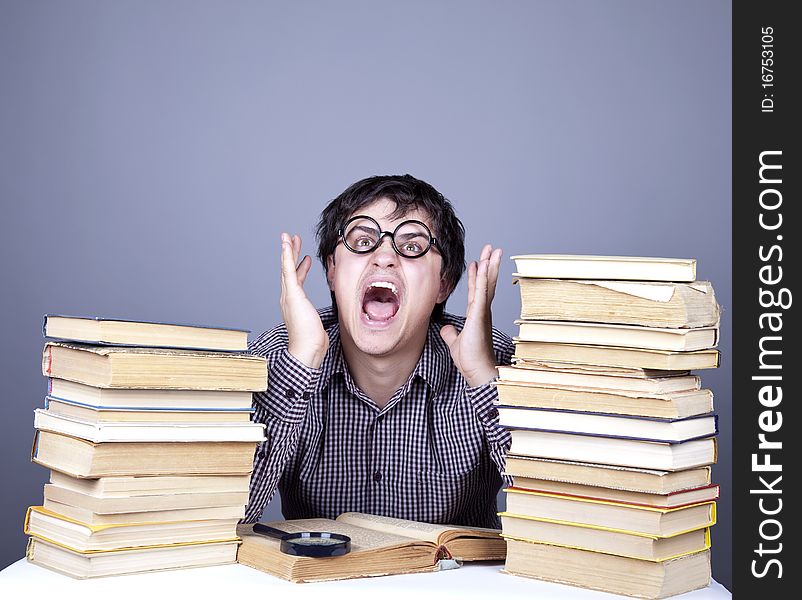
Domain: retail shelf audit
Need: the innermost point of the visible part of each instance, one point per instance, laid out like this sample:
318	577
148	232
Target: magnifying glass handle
269	531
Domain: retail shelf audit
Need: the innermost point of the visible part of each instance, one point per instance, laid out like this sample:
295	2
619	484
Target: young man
383	403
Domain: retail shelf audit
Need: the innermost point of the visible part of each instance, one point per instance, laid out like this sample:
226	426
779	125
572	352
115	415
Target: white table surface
485	581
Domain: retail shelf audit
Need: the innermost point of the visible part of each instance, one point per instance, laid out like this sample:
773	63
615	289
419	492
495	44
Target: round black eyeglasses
362	234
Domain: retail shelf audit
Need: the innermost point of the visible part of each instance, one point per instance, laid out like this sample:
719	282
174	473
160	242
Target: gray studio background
152	152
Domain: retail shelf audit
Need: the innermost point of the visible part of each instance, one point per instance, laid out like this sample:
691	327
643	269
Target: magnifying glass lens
315	544
314	541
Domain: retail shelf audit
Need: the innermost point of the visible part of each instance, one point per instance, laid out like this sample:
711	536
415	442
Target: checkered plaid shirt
435	453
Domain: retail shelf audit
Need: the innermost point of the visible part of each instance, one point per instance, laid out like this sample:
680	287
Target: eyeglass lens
411	239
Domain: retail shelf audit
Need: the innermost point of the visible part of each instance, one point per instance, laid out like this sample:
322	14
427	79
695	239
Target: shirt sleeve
483	399
282	408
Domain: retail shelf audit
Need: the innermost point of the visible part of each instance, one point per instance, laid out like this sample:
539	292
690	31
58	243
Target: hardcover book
577	266
141	399
84	538
161	368
573	378
625	302
152	485
124	332
82	458
379	546
151	431
608	572
625	336
636	518
130	504
650	429
83	565
632	358
99	414
614	451
89	517
608	541
650	481
673	405
673	499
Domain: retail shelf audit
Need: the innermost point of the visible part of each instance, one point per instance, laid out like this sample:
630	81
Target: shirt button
290	393
492	413
377	476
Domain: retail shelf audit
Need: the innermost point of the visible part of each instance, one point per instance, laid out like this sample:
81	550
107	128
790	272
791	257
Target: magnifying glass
315	544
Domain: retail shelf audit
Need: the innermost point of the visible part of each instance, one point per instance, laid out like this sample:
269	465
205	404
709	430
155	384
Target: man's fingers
471	281
303	269
449	334
480	293
287	263
296	246
494	266
289	277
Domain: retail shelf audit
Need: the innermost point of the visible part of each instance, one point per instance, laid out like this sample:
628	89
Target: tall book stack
612	435
147	434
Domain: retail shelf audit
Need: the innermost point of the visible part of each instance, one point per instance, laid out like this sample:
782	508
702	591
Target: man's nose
384	255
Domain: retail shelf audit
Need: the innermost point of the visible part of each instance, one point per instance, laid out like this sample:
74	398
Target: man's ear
445	290
330	271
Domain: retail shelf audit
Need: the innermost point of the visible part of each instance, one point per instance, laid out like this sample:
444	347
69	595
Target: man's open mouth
380	301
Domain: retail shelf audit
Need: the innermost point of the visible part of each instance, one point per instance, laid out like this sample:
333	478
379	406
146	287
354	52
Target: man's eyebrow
411	234
365	228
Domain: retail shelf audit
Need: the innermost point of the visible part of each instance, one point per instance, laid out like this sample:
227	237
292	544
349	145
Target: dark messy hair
408	194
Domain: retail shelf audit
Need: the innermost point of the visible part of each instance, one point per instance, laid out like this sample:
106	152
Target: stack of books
612	435
147	432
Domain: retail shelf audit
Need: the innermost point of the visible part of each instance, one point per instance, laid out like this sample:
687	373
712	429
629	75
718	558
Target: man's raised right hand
308	341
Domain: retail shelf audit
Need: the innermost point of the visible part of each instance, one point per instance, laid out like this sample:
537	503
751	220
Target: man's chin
377	337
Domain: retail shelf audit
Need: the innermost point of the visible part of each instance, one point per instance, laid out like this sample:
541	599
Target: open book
379	546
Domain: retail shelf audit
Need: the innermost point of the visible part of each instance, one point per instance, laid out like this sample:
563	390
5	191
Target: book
704	493
81	537
123	562
89	517
607	371
125	332
97	414
607	572
145	399
595	539
379	546
649	481
588	354
624	302
152	485
82	458
635	518
634	268
673	405
571	378
148	431
614	451
630	427
626	336
163	368
128	504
